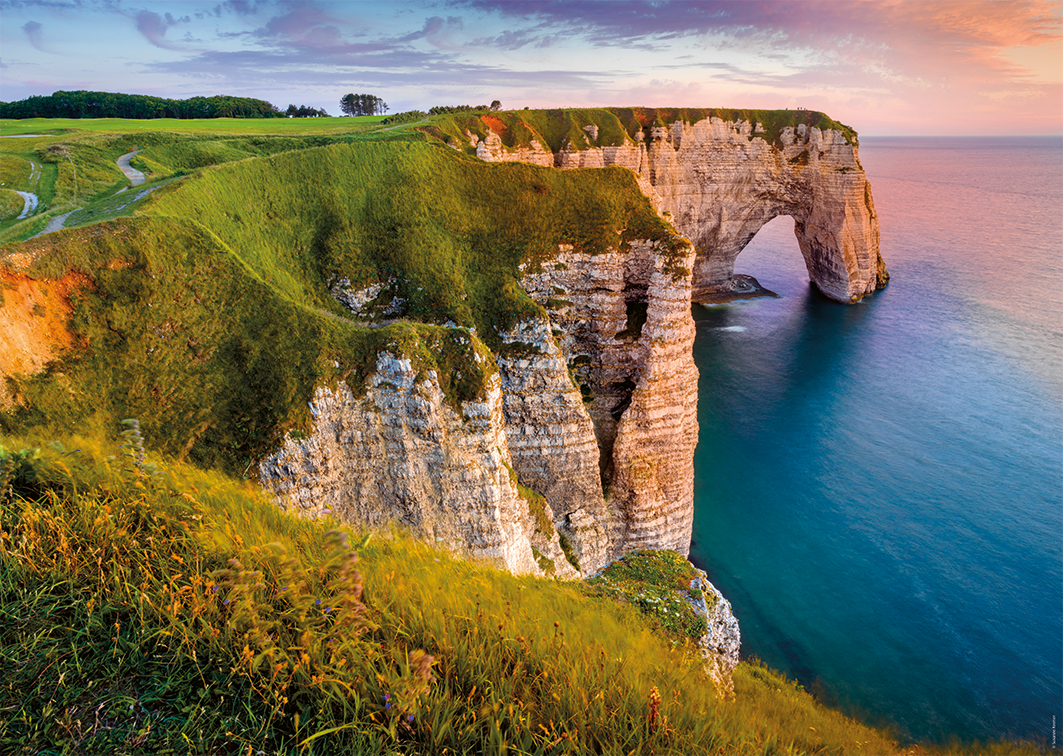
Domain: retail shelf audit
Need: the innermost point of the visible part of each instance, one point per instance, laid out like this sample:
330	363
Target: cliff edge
718	176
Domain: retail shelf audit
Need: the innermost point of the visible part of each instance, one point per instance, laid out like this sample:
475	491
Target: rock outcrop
402	456
591	418
624	325
718	182
722	641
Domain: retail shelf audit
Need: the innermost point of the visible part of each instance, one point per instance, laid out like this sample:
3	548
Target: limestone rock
626	331
551	439
722	640
401	455
719	183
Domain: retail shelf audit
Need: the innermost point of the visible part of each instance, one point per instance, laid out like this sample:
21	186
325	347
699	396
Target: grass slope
209	315
128	629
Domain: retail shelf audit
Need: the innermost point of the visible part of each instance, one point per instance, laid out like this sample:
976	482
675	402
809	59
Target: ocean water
879	487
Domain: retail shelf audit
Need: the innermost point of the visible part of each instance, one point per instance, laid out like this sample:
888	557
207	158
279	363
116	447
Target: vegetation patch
658	584
11	204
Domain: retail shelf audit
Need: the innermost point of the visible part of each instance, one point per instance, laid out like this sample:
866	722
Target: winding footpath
29	203
29	199
136	178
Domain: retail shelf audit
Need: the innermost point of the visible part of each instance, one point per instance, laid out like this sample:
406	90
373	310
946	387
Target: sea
879	486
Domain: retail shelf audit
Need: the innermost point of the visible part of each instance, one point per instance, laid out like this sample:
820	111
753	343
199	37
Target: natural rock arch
720	181
719	187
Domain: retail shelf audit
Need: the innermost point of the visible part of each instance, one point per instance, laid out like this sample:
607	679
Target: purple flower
327	610
284	587
226	601
214	589
317	601
387	707
409	718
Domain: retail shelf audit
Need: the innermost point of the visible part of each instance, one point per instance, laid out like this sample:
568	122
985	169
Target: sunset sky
886	67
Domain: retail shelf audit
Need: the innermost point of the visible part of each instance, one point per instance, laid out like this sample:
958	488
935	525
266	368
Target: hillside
153	608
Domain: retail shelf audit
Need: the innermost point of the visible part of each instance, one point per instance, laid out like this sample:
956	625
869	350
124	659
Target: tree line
362	105
305	111
83	104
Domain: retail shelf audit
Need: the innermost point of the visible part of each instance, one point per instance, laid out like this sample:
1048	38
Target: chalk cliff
592	409
402	456
719	181
592	413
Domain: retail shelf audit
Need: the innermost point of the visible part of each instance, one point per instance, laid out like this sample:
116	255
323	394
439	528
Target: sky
885	67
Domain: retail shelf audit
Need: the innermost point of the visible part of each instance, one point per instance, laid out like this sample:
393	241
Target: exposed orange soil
34	322
495	124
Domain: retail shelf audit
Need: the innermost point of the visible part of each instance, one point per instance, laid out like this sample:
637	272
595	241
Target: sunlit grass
128	628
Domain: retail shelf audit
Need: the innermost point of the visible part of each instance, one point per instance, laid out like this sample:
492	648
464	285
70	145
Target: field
12	127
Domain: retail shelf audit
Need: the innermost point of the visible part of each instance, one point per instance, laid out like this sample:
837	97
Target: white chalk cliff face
718	183
402	456
592	408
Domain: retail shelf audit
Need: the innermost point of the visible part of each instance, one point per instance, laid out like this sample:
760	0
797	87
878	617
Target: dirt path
55	224
29	203
136	178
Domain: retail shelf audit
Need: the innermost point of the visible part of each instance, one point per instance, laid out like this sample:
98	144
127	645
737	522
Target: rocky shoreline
740	286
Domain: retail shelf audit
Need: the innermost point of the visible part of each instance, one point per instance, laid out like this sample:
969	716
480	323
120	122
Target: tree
496	105
362	105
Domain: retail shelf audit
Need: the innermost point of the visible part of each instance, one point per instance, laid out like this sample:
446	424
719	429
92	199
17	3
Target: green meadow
152	600
17	126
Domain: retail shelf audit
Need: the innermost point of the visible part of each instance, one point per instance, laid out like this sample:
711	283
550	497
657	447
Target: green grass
79	170
15	172
657	583
128	629
209	315
11	204
11	127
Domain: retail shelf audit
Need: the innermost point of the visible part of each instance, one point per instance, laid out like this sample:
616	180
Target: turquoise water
879	487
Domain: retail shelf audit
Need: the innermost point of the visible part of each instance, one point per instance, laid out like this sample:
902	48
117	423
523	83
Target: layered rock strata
592	412
400	455
719	183
624	326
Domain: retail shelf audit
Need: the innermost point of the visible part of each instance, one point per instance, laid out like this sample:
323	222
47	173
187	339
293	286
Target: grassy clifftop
567	129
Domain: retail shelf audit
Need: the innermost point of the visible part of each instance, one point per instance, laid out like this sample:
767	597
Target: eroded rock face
718	183
625	329
721	643
552	443
593	409
401	455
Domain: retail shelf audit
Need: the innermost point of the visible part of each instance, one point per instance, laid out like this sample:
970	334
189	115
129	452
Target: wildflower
409	718
317	601
226	602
